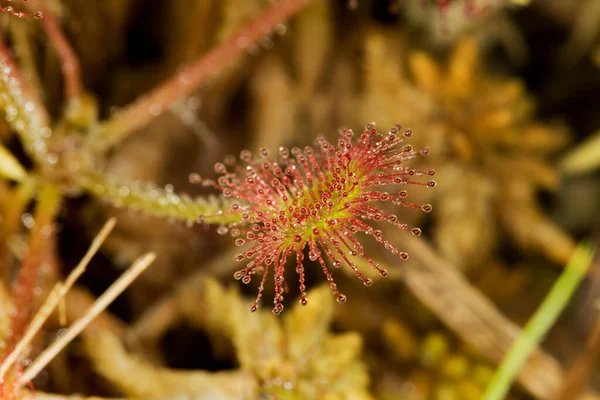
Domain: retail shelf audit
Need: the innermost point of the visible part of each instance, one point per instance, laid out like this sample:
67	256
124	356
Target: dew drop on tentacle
300	272
245	155
194	178
220	168
277	309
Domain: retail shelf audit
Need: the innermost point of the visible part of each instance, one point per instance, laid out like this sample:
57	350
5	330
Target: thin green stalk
540	322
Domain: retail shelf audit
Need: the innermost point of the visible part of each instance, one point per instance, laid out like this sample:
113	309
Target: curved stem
69	63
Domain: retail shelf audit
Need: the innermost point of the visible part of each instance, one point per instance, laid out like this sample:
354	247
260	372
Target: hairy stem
46	210
152	200
24	111
69	63
189	78
21	33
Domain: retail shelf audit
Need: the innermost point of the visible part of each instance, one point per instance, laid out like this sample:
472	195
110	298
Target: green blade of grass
540	322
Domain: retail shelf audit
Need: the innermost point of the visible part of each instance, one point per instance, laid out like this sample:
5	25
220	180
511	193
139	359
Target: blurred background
504	93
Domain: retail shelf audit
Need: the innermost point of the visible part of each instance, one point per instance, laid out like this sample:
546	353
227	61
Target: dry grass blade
78	300
78	326
58	292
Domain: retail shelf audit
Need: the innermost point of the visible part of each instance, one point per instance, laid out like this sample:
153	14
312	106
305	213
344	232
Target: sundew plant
317	200
116	118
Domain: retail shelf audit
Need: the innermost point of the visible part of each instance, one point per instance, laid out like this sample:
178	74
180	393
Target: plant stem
69	63
152	200
25	112
189	78
26	282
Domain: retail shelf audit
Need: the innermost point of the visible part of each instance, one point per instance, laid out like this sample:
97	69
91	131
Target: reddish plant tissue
469	6
11	388
444	5
9	9
319	198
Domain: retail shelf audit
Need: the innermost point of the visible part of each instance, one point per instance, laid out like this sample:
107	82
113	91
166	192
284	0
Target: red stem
69	63
20	14
189	78
23	295
40	252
